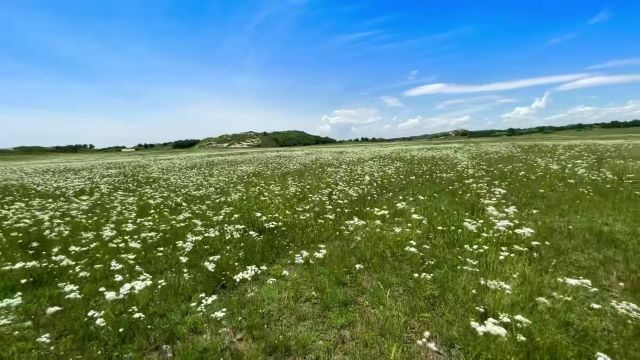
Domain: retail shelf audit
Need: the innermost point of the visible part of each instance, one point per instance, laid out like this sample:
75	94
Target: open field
597	134
499	249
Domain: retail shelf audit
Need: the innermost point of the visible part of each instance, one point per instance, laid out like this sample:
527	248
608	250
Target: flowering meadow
472	250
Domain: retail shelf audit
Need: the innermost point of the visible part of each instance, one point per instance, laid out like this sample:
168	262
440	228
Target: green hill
264	139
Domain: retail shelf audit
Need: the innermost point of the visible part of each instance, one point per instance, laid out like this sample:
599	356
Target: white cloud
357	116
590	114
602	17
391	101
359	36
486	100
433	123
413	75
411	124
324	129
562	38
522	112
444	88
593	81
616	63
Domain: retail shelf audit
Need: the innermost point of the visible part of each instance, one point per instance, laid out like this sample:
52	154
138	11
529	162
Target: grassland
596	134
499	249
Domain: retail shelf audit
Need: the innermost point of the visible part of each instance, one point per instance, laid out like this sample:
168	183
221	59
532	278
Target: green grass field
596	134
505	249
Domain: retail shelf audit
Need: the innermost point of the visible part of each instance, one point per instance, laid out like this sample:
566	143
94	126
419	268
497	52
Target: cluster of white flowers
204	302
522	320
299	258
525	231
52	310
138	315
502	224
472	225
22	265
411	248
578	282
490	326
561	297
210	264
63	260
355	222
249	273
71	290
320	253
627	308
97	315
423	276
12	302
115	265
44	339
496	284
143	281
219	314
135	286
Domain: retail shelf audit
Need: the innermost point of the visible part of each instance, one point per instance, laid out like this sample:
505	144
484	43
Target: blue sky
123	72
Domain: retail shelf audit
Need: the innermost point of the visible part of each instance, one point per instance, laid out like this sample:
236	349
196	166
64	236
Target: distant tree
112	148
185	144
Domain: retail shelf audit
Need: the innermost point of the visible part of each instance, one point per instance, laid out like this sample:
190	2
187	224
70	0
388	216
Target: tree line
547	129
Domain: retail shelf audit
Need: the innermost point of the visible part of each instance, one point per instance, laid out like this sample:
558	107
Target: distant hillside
301	138
264	139
548	129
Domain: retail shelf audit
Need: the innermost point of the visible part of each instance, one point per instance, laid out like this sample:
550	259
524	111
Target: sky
122	72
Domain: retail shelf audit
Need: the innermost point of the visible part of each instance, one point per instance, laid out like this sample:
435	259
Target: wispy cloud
390	86
562	38
523	112
445	88
616	63
402	40
602	17
413	74
357	116
603	80
391	101
359	36
433	123
587	114
488	99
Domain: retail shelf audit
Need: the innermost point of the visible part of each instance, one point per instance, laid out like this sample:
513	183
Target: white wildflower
52	310
45	339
